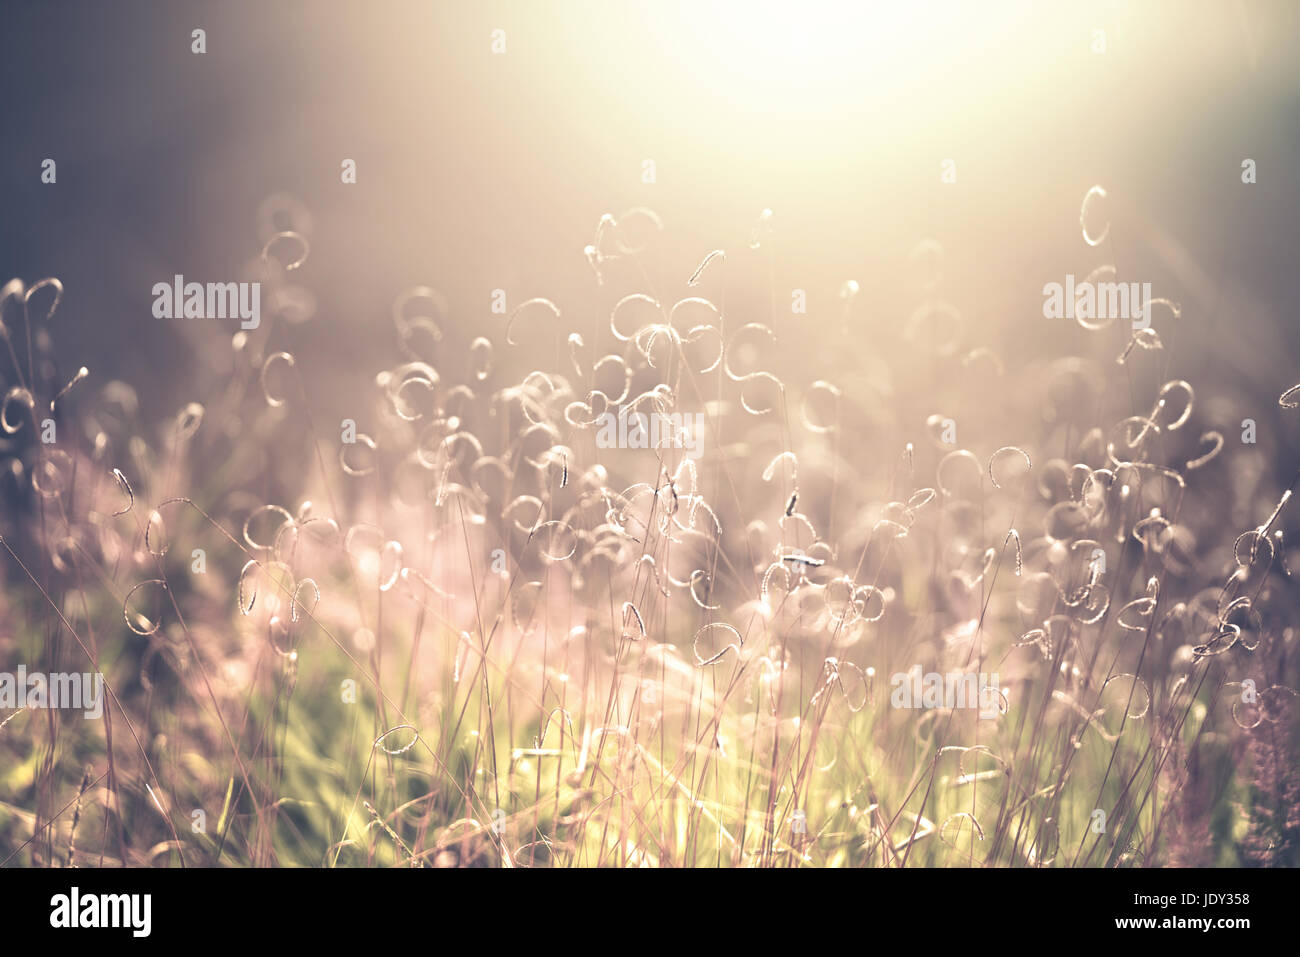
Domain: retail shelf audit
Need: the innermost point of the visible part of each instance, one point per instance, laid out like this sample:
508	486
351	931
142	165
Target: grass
474	637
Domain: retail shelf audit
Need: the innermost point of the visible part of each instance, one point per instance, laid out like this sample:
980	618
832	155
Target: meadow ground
465	629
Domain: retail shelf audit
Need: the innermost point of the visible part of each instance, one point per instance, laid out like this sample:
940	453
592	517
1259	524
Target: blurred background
479	171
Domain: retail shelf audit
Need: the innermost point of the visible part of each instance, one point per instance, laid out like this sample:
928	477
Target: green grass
429	711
